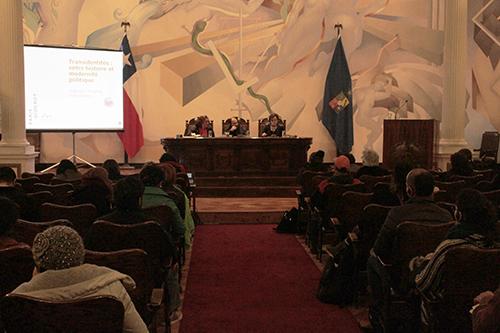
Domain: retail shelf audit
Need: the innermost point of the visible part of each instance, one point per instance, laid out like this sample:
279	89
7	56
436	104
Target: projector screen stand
74	158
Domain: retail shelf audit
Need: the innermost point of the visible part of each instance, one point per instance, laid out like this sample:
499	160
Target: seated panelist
203	127
235	128
273	128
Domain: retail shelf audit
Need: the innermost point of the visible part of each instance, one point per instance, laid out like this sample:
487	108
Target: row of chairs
139	251
349	205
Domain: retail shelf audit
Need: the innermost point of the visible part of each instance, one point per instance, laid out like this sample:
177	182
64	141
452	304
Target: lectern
421	133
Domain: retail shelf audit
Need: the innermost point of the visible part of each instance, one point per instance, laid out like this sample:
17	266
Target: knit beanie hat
58	247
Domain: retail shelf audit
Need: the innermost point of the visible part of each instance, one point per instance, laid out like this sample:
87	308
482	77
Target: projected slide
70	89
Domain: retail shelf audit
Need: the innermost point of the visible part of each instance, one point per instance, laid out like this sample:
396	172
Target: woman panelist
273	128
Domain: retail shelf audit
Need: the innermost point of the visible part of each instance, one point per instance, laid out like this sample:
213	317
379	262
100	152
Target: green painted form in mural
198	28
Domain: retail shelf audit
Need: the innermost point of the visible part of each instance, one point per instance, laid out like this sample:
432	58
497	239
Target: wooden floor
243	210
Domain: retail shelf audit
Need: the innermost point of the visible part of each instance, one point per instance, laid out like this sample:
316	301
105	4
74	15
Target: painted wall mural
279	49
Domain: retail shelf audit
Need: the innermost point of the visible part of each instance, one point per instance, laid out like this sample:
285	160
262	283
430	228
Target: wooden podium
421	133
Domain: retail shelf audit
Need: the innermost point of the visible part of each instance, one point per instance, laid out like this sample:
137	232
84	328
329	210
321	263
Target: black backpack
338	283
289	222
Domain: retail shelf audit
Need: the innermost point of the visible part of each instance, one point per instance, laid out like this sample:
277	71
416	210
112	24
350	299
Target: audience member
152	176
60	274
8	218
127	198
353	166
421	208
170	159
475	229
203	127
341	173
9	190
406	157
460	166
371	165
113	169
95	189
235	128
66	170
486	312
273	128
181	200
316	162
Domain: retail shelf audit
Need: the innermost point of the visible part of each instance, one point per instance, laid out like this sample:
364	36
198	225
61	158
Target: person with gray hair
371	165
60	274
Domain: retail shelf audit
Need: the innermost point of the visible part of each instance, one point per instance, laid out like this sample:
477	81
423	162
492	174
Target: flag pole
125	25
339	28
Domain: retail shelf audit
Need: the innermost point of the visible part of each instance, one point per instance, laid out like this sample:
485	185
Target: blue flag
337	101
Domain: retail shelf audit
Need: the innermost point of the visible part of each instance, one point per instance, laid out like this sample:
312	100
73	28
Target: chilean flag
132	136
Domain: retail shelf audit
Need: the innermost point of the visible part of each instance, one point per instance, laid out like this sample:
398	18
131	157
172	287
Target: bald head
419	183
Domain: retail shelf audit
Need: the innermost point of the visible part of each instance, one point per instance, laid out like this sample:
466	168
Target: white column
14	149
454	69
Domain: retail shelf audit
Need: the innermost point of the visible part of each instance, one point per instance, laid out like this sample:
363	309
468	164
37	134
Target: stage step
245	181
246	191
243	210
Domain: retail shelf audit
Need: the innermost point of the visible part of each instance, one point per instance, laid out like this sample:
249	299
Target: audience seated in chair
8	218
181	201
201	126
273	126
460	166
95	189
66	170
371	165
170	159
475	229
152	176
420	207
61	275
113	169
235	127
9	190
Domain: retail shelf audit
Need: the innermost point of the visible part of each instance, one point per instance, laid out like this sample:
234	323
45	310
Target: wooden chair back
493	196
135	263
57	181
44	177
370	181
27	183
81	216
25	231
466	272
452	188
244	126
470	181
105	236
333	193
60	192
97	314
351	210
450	207
309	181
373	218
39	198
443	196
16	267
383	195
414	239
264	122
163	215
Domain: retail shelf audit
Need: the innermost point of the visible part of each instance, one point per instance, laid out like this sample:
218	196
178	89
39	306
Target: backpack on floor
338	281
289	221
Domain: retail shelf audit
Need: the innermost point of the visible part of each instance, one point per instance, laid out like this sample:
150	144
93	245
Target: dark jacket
420	210
26	205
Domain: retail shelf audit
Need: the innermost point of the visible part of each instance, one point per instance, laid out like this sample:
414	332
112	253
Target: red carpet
247	278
